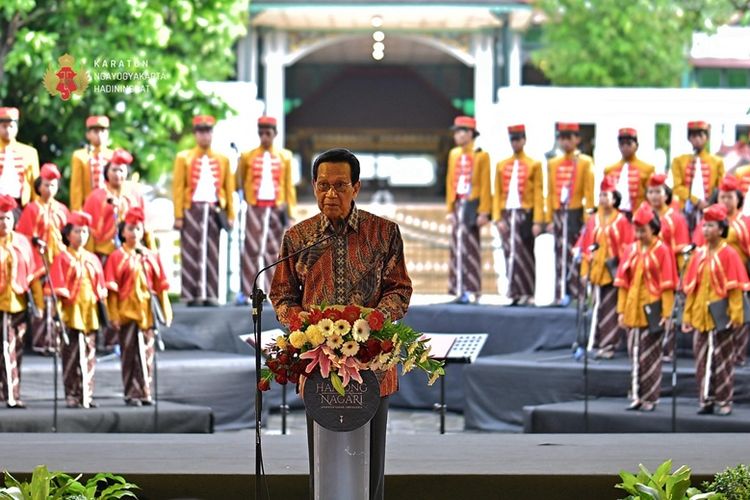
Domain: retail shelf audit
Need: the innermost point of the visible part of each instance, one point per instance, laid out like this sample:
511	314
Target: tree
161	49
638	43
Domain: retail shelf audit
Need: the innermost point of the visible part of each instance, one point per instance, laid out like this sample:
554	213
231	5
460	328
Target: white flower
349	348
334	340
342	327
326	326
361	330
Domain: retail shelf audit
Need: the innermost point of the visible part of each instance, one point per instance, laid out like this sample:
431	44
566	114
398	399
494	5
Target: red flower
351	313
375	319
364	355
283	358
387	345
315	316
264	384
373	346
295	323
281	378
332	314
291	349
294	377
273	364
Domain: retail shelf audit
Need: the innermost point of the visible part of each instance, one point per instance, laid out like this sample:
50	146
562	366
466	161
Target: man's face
568	142
98	136
628	147
8	130
6	223
606	199
334	190
266	136
203	137
78	236
711	231
517	143
729	199
48	188
132	233
643	233
698	139
463	136
656	197
116	175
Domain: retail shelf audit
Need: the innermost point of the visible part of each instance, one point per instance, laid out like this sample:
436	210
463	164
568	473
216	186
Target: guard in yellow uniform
19	163
714	273
518	209
78	280
134	274
468	196
87	164
647	276
690	189
570	191
630	174
202	186
18	266
264	177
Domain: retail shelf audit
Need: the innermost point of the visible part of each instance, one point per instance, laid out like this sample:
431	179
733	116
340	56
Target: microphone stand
675	313
258	297
157	315
42	247
584	334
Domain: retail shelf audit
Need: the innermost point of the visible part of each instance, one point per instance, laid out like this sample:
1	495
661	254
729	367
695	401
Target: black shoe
20	405
646	406
461	299
706	409
195	303
146	402
134	402
635	405
211	303
93	404
725	410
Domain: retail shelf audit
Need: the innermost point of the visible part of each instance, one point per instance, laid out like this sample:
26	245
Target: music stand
458	348
268	337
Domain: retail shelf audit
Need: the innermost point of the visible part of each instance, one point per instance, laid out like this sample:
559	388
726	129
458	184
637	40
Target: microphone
234	146
156	310
688	249
39	243
593	247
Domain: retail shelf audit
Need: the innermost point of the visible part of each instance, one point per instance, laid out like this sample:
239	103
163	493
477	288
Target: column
483	52
274	53
515	63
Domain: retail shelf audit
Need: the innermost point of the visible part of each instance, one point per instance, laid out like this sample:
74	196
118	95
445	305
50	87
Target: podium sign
340	413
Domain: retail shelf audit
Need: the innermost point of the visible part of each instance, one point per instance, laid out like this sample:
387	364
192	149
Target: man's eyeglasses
339	187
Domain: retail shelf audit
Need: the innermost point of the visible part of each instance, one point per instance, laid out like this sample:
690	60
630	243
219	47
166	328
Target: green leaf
336	383
40	483
648	491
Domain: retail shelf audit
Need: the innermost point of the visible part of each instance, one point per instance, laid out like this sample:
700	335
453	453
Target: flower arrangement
341	341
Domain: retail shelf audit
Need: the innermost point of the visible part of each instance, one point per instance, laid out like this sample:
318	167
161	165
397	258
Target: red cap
729	183
9	114
657	180
204	121
49	171
643	215
516	129
716	213
627	132
134	216
464	122
97	122
698	125
7	203
121	157
608	185
79	219
267	121
567	127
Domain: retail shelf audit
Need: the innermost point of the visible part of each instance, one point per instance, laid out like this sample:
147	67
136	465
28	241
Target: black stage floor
471	466
110	416
609	415
497	388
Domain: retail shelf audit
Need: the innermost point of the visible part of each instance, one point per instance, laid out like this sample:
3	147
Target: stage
465	465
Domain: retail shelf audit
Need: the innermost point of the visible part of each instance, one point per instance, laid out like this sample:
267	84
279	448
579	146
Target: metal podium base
342	463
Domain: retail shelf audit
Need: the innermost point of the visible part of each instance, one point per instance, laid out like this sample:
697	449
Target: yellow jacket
681	183
529	181
80	174
637	190
287	195
582	195
481	188
30	159
185	176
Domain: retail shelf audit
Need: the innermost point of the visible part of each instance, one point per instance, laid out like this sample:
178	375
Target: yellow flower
298	339
411	349
408	366
433	378
349	348
314	335
342	327
326	326
425	355
281	342
334	340
361	330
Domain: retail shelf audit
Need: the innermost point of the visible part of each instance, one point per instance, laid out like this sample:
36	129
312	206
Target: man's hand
686	328
536	229
666	323
621	321
450	217
701	204
230	224
551	227
178	224
482	219
503	227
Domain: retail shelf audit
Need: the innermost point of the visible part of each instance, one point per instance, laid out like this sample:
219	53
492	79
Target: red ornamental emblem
66	85
66	81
